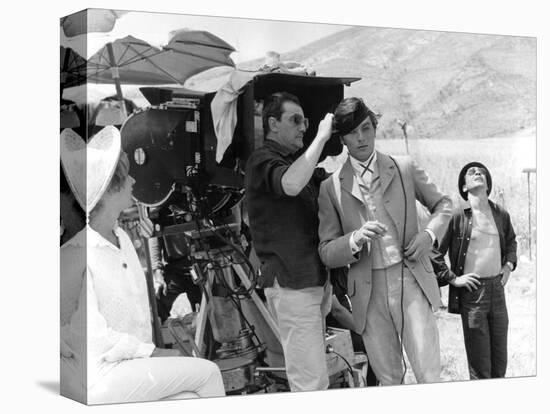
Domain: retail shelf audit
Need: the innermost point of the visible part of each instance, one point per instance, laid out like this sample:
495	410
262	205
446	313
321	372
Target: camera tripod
229	269
231	313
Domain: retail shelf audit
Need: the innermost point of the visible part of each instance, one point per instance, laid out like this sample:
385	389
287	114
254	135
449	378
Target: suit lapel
395	208
386	170
356	214
349	181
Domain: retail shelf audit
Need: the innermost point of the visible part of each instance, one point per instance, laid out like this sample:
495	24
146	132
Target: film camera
173	142
194	203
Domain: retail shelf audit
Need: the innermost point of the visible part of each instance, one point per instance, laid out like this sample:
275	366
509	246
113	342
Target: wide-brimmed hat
90	167
461	181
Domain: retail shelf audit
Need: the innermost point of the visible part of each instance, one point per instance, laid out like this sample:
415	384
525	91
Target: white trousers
300	316
150	379
385	317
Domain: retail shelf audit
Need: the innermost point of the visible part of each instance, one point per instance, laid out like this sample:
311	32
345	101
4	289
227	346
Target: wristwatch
510	265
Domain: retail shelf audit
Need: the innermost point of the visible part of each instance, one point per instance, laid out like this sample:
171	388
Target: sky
251	38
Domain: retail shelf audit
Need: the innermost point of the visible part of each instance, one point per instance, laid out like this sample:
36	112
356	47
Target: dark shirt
339	281
283	228
456	241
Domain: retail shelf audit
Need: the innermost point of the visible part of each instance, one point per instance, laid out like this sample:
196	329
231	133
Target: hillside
445	85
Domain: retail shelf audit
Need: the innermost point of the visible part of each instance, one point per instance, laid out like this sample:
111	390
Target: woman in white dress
107	353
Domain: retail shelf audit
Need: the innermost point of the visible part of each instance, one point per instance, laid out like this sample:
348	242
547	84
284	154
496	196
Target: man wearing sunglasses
281	200
482	251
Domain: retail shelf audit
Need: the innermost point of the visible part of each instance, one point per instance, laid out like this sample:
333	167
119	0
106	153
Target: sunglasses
298	120
473	170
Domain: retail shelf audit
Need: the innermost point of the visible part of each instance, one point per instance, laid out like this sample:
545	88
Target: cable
238	306
234	294
199	205
243	254
247	292
402	274
330	350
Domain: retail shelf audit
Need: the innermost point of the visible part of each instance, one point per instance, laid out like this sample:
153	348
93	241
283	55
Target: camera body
172	145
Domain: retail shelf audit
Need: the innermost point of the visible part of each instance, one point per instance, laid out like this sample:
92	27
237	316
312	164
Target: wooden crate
340	341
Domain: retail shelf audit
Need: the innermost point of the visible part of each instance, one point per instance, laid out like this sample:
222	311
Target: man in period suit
368	220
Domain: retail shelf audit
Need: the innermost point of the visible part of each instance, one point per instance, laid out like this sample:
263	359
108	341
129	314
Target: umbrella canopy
134	61
90	20
200	45
72	67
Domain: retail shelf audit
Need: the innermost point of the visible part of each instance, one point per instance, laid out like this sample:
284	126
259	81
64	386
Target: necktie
366	174
365	169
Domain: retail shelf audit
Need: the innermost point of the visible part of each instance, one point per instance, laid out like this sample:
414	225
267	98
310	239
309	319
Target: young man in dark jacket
482	248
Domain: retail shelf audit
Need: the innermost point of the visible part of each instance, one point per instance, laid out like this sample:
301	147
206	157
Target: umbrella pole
116	77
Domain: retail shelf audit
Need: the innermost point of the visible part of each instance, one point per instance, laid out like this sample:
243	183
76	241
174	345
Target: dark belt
489	278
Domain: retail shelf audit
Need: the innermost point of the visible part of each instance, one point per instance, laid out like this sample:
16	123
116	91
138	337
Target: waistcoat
385	251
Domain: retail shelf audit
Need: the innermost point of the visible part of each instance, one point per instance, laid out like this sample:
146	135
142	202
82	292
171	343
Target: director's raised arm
299	173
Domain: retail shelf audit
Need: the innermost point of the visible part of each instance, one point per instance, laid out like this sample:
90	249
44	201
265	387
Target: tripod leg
257	301
159	342
201	324
157	333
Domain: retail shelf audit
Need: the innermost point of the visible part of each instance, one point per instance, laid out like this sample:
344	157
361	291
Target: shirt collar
358	166
78	240
278	148
468	207
88	237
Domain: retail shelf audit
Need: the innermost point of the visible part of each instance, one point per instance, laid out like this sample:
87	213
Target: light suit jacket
342	210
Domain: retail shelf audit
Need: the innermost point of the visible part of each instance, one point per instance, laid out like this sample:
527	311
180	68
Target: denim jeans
485	324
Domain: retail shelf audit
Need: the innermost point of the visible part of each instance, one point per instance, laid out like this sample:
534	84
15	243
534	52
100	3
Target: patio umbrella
90	20
72	68
134	61
200	45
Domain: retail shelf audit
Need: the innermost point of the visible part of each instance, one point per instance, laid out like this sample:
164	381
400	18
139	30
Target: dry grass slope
447	85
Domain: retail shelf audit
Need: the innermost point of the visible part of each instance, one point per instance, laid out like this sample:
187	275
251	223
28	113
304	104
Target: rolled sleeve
442	272
274	178
266	173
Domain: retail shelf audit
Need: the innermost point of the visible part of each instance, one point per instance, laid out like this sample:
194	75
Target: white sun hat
89	168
